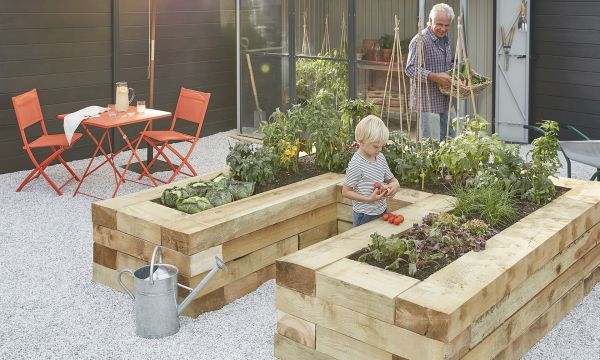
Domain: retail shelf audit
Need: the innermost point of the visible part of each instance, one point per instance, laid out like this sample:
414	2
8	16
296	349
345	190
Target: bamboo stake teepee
305	40
344	37
460	57
421	65
396	64
325	45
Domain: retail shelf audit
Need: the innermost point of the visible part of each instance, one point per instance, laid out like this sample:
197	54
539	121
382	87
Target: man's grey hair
441	8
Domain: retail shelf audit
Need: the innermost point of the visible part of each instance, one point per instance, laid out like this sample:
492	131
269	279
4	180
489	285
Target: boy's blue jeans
360	218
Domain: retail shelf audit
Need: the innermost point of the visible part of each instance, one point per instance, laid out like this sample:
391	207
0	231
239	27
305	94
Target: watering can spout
218	266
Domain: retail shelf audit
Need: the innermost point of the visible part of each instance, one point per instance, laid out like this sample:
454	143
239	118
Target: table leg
133	149
87	171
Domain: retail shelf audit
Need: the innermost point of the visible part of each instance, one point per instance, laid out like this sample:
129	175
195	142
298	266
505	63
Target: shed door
512	73
566	64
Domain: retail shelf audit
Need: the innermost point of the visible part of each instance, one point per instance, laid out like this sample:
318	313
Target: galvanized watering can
156	309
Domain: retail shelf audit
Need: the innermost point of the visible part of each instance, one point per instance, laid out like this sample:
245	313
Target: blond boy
366	169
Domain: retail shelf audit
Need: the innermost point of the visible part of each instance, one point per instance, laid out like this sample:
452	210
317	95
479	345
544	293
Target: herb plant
493	203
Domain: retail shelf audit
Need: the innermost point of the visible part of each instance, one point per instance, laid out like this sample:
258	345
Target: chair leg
159	152
183	162
28	178
64	163
39	170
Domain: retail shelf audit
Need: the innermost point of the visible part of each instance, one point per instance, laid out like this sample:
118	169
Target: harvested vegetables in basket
461	79
170	196
193	204
463	75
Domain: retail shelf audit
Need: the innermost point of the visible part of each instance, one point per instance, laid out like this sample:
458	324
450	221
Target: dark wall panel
64	48
566	64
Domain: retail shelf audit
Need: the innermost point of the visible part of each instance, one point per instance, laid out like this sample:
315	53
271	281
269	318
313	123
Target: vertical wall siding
376	17
480	42
64	49
194	49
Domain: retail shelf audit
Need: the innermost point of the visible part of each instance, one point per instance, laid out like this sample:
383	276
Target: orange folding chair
28	111
191	106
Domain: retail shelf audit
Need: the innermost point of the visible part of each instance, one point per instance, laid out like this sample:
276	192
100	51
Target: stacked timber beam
249	235
496	303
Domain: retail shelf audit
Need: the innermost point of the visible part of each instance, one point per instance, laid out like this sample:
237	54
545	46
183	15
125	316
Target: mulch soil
306	170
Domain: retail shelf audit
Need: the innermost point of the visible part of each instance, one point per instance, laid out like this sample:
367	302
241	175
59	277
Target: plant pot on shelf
369	45
386	54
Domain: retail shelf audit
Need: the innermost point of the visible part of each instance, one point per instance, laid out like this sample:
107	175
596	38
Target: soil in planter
525	208
306	169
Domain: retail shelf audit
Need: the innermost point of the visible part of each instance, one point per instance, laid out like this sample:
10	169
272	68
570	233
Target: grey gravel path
50	308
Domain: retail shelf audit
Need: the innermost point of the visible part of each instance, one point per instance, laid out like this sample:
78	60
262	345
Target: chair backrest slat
191	106
28	110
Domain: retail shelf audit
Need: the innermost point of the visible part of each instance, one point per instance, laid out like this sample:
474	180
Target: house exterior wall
65	50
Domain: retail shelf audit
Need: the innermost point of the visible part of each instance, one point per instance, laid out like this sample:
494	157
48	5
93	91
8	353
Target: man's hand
441	78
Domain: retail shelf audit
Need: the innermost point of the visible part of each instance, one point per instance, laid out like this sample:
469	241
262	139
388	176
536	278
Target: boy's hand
377	194
390	190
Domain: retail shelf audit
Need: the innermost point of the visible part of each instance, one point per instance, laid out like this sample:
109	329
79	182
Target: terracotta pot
386	54
369	44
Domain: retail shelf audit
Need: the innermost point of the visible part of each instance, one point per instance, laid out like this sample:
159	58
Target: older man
438	60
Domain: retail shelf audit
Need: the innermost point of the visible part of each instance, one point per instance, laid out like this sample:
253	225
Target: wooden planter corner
491	304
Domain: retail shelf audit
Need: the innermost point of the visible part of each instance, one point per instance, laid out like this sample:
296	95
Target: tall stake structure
305	40
396	65
460	57
325	45
344	37
421	65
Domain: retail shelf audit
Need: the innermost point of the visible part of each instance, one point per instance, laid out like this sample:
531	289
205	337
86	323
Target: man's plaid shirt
438	58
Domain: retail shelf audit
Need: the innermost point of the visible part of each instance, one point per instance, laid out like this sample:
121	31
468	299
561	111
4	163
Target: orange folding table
106	123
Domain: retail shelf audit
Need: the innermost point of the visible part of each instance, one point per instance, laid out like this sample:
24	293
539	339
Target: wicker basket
465	90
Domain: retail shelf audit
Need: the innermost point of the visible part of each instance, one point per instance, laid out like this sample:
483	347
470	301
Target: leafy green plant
412	162
493	203
463	155
315	74
329	134
386	41
534	183
353	110
248	163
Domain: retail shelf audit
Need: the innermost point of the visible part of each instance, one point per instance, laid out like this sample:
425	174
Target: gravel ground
51	309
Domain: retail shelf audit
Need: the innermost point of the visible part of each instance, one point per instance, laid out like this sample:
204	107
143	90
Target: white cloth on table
73	120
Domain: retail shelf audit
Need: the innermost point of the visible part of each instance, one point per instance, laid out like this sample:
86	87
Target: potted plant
386	42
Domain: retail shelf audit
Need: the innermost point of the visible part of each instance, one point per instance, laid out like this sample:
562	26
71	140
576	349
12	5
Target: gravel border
51	309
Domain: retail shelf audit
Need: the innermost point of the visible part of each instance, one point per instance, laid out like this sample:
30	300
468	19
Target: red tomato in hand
385	216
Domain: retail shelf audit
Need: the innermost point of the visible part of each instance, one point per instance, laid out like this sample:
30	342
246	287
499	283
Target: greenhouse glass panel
263	63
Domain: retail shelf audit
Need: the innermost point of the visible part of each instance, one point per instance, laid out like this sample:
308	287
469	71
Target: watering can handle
160	260
123	284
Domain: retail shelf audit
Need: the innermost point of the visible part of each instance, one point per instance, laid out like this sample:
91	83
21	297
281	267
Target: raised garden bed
249	234
494	303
